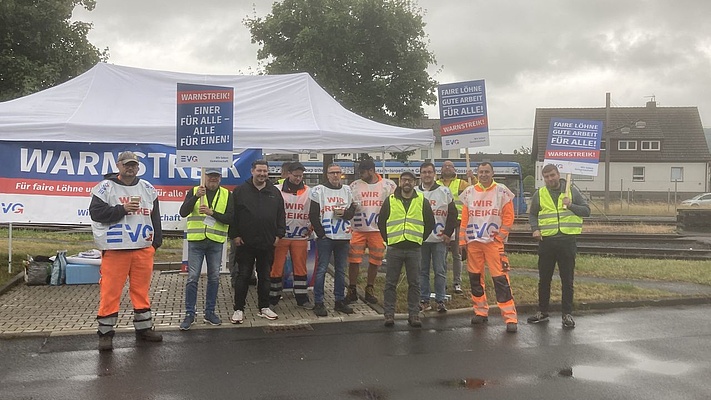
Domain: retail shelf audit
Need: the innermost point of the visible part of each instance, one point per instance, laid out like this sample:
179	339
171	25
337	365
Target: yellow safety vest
454	188
554	218
197	230
405	225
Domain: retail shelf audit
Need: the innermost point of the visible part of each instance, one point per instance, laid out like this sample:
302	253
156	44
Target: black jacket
259	216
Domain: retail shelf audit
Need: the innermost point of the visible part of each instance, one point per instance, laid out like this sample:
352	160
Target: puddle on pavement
468	383
591	373
368	394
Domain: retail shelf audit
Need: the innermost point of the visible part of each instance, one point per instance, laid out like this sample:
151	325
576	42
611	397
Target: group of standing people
264	222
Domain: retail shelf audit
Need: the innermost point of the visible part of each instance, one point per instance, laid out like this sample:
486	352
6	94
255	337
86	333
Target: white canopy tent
277	113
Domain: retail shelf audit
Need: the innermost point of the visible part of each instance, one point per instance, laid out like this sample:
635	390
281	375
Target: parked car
703	199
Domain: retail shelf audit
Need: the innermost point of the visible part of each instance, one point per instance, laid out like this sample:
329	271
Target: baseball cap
296	165
209	171
127	157
403	173
366	164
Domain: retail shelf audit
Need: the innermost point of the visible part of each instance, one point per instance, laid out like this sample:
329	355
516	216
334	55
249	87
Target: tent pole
9	248
469	179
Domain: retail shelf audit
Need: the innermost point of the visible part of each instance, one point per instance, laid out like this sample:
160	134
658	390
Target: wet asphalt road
650	353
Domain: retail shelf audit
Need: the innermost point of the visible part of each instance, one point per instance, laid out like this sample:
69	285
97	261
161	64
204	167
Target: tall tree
40	47
371	55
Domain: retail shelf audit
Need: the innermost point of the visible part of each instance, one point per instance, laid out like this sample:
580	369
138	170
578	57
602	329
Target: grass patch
695	271
47	243
525	291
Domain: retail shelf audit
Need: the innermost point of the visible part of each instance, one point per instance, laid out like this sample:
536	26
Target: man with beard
259	224
405	221
330	213
556	220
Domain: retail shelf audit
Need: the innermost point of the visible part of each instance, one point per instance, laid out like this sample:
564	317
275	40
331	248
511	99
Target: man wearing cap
127	229
405	221
208	223
296	240
369	193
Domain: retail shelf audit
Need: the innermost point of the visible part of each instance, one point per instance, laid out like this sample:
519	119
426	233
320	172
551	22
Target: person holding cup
127	228
330	213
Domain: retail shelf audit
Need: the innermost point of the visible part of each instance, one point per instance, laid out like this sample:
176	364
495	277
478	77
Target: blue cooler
81	274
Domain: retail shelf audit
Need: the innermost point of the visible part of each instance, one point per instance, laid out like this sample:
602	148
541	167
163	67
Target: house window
677	174
577	177
603	145
627	145
650	145
445	153
637	174
424	154
313	156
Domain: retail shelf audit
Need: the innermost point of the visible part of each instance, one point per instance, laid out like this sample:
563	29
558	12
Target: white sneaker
237	317
267	313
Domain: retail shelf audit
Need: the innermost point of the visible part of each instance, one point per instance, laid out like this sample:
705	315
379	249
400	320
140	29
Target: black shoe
511	327
149	335
537	318
352	295
320	310
341	306
458	289
106	343
370	295
479	319
441	308
414	321
389	320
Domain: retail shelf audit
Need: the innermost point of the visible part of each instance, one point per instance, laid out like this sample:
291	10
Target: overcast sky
531	54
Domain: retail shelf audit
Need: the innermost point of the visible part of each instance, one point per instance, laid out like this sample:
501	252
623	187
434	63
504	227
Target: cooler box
80	274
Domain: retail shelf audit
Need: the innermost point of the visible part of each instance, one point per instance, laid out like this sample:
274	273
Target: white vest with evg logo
133	231
439	201
370	198
296	207
484	208
336	228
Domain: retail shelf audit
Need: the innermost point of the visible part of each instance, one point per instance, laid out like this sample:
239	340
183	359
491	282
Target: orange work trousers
116	266
491	254
297	249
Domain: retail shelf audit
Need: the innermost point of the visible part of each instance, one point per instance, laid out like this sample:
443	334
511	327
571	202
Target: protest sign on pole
204	125
463	115
574	146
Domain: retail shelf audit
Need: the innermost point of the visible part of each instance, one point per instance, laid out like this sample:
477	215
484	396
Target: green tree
523	157
371	55
402	156
40	47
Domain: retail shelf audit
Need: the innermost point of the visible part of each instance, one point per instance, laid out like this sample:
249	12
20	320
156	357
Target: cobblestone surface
71	309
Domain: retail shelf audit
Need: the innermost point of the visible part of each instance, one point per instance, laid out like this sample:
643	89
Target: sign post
204	138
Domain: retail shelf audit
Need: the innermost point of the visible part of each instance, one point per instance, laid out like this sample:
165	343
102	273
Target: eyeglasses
334	173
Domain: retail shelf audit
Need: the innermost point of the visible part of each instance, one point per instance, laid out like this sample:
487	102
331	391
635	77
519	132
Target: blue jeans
339	248
411	259
433	253
210	251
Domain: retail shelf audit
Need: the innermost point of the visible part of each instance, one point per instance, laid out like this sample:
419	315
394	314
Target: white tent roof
279	113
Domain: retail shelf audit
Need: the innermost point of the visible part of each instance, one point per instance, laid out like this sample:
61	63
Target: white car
703	199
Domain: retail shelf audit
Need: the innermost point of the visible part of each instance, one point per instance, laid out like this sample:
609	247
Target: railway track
629	245
656	246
